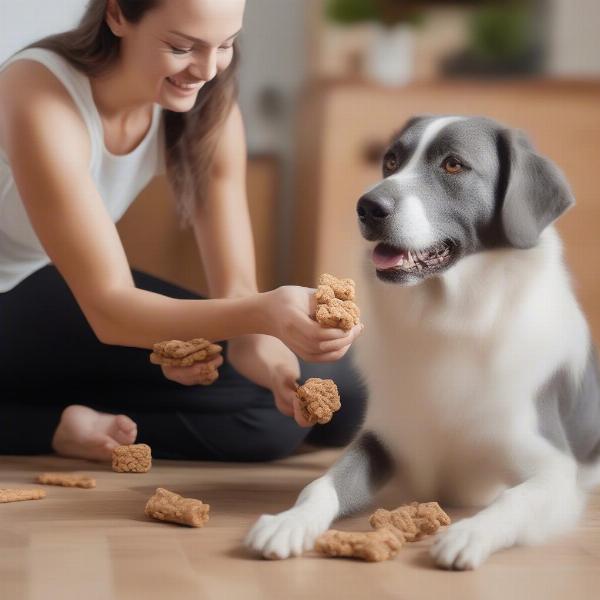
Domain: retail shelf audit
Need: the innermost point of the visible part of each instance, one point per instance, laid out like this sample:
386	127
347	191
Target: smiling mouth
398	262
185	85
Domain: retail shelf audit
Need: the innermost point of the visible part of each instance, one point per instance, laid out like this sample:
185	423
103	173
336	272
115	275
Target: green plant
500	31
386	12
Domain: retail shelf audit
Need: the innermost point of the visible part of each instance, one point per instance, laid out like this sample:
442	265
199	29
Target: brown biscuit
343	289
183	354
372	546
66	480
343	314
179	349
19	495
134	458
168	506
412	521
319	399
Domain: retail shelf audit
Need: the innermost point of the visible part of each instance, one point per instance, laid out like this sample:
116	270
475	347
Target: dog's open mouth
392	260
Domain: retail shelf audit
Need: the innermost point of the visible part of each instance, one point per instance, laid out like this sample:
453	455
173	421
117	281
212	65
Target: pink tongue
386	257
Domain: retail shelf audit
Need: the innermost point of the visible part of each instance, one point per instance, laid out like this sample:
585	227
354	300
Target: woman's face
177	47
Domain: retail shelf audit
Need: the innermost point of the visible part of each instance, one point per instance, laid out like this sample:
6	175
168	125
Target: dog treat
168	506
175	353
411	522
319	399
134	458
66	480
343	314
19	495
335	303
372	546
342	289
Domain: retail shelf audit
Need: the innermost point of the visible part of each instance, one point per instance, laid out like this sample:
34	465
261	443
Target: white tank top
119	179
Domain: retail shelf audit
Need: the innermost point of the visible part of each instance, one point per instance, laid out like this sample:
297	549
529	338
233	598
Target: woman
87	118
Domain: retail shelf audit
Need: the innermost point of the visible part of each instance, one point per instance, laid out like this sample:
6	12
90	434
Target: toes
125	430
283	535
462	548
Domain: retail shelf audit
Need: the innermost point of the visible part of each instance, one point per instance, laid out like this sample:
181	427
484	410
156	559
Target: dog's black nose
373	209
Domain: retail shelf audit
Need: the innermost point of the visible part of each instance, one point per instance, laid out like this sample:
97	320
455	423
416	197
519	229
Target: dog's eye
390	163
452	165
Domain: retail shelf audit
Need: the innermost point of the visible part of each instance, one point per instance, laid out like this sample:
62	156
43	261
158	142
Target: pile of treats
392	529
175	353
335	303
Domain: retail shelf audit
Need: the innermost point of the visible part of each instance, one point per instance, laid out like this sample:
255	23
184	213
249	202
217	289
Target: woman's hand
266	361
191	375
288	309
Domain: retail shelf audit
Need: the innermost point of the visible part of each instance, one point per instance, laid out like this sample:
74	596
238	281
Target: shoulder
32	98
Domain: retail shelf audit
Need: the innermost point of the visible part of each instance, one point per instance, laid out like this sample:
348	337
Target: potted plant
389	58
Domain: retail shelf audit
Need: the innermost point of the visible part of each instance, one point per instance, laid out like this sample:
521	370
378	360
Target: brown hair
190	137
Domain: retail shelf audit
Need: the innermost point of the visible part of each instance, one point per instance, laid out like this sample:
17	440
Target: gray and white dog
482	377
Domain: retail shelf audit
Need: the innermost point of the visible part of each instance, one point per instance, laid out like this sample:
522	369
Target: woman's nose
204	66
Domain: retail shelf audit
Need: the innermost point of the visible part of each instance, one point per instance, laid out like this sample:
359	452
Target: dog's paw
464	546
289	533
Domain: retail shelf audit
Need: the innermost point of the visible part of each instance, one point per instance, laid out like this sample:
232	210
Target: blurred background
325	83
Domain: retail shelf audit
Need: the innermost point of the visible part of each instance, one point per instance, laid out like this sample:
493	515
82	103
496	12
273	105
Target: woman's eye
390	163
176	50
225	48
452	165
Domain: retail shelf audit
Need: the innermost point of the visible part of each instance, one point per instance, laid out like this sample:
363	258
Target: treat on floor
19	495
133	458
335	303
372	546
175	353
319	399
411	522
67	480
169	506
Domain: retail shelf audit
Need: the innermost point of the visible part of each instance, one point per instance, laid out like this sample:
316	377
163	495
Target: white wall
574	44
24	21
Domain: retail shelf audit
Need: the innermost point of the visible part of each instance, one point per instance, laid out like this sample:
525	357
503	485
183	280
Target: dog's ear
536	192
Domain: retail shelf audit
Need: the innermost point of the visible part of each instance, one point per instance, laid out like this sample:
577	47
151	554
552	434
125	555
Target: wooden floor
98	545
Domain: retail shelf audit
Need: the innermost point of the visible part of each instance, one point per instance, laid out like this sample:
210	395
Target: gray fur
569	414
363	469
536	193
505	197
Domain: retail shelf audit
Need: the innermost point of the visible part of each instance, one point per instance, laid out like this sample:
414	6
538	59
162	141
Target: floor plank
98	545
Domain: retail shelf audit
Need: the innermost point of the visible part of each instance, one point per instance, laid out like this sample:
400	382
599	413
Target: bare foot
86	433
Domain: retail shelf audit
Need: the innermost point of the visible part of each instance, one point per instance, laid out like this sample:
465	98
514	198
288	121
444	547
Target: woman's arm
49	149
222	221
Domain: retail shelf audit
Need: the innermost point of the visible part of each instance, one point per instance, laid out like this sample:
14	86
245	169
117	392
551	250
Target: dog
482	376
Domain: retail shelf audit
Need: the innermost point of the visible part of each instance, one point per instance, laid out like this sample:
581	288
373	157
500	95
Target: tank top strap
76	84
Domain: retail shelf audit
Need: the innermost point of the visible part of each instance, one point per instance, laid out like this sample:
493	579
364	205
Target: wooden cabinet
342	126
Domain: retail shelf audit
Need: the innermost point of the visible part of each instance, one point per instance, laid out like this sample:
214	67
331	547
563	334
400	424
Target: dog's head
453	186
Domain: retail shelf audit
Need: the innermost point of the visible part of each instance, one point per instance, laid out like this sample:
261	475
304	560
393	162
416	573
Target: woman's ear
114	18
536	191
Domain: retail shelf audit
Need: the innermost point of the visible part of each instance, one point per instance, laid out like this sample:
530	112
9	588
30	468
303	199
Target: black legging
50	358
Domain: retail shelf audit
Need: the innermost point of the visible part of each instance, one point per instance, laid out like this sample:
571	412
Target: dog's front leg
345	488
547	502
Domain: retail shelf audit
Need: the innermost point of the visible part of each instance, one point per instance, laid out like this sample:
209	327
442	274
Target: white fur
292	532
454	366
452	381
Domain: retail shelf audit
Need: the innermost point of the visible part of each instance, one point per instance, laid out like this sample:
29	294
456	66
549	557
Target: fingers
342	342
192	375
298	416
